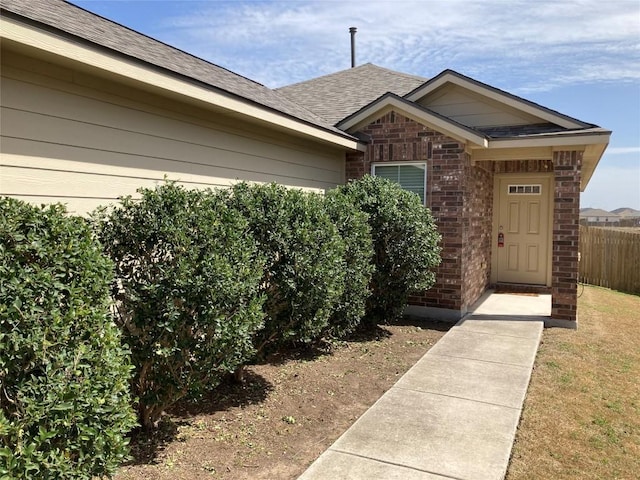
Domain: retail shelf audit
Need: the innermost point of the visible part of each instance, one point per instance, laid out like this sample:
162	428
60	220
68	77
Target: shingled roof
349	90
63	17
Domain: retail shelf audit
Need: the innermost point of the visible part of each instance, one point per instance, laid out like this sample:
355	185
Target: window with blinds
410	176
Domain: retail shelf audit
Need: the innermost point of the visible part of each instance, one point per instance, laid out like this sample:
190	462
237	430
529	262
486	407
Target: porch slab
513	305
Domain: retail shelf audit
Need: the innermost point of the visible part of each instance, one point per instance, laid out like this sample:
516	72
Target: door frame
496	219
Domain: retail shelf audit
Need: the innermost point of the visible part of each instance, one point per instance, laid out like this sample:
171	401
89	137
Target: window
525	189
410	176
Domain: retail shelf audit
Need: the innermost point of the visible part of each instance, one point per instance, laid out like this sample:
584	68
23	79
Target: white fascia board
416	113
494	95
558	140
51	43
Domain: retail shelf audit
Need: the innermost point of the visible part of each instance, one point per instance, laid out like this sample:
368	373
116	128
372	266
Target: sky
581	58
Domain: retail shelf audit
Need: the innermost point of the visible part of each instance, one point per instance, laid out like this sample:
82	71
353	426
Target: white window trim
386	164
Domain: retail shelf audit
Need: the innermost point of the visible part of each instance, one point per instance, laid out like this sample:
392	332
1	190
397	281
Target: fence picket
610	258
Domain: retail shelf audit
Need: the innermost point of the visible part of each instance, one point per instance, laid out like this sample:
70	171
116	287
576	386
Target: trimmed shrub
352	224
187	293
304	273
64	376
405	241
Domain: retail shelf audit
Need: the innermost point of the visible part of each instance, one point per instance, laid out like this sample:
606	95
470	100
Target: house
629	217
92	110
599	217
502	176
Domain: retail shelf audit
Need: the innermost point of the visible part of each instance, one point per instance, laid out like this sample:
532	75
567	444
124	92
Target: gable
416	112
495	96
474	110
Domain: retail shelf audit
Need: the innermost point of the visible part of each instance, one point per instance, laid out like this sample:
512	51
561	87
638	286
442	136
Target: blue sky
581	58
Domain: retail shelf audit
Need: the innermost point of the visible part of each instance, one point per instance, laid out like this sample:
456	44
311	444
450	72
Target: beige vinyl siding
62	140
472	110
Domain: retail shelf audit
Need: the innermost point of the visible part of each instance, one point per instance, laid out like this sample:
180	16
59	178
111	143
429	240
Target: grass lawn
581	417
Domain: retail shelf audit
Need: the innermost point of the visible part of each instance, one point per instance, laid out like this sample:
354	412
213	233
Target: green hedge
353	227
64	376
405	241
187	292
304	272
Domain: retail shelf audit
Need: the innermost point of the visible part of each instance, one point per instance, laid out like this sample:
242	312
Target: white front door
522	240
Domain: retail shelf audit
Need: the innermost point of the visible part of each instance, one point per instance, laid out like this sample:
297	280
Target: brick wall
566	231
393	138
478	209
460	197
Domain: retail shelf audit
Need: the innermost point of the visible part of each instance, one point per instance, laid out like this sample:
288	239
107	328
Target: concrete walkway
454	414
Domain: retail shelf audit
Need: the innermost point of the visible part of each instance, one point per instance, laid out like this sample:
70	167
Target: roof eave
80	50
556	139
592	143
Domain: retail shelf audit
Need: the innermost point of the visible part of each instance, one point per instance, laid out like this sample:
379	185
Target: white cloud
542	43
622	150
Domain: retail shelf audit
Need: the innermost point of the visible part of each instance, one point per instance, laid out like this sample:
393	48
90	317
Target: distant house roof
595	212
626	212
63	17
338	95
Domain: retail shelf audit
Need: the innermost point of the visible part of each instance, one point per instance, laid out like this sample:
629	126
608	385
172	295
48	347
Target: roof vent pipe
352	31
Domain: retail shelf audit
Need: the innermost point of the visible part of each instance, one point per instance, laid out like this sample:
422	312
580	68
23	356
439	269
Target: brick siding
566	233
460	196
477	245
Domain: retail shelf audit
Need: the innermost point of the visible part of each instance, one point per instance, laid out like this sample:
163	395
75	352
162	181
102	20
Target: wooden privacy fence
610	258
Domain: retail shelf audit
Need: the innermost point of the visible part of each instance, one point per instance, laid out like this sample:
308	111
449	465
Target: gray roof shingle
338	95
64	17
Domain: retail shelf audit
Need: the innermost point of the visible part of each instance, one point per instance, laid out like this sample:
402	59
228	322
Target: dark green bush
64	376
187	293
405	241
304	273
353	226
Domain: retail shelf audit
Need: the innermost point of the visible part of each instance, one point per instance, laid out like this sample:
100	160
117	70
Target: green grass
581	418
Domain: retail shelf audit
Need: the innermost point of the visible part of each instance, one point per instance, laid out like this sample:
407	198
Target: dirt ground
286	413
